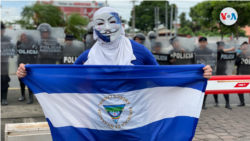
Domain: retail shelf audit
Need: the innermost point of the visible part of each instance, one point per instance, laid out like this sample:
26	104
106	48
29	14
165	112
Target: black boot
216	104
22	86
226	96
242	102
204	103
4	95
30	101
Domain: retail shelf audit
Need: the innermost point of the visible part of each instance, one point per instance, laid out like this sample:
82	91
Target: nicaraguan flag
119	103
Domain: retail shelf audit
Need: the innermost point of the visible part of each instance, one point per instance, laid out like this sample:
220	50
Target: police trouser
241	97
5	79
226	96
22	86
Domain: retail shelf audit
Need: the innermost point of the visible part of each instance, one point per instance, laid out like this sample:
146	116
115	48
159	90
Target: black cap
172	40
220	43
84	36
2	26
69	37
202	39
244	43
157	44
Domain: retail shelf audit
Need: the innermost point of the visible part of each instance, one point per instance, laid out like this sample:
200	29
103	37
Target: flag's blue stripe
170	129
111	79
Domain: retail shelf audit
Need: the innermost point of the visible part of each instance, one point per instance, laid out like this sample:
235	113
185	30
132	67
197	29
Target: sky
10	10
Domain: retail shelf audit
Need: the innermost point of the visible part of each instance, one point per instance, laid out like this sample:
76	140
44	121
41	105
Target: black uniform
221	70
243	68
203	56
5	79
27	55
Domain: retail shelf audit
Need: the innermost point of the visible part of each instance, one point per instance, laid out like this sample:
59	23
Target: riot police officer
47	56
27	54
223	64
243	66
4	66
204	55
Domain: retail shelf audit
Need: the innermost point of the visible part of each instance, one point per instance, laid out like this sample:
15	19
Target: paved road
218	124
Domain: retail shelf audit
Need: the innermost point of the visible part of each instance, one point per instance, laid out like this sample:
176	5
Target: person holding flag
75	104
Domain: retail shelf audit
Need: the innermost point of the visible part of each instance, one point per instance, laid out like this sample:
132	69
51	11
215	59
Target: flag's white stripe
226	85
148	105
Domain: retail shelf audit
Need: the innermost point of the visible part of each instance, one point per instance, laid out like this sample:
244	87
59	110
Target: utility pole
176	21
171	21
133	26
156	11
166	20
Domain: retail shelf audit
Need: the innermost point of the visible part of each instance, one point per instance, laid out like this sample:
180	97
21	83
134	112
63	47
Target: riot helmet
157	46
151	35
174	42
45	30
139	38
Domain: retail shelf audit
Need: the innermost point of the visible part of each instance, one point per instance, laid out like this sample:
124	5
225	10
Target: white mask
108	26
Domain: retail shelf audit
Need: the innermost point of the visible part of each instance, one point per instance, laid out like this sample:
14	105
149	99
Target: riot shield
244	56
225	60
159	48
90	38
58	33
26	42
71	50
89	41
206	54
182	50
8	52
49	49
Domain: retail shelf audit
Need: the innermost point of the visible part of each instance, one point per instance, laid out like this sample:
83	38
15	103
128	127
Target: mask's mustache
109	31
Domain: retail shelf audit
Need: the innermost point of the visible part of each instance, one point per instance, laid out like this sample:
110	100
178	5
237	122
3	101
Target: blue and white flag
119	103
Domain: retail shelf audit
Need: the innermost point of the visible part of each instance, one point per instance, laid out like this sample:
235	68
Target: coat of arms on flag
114	111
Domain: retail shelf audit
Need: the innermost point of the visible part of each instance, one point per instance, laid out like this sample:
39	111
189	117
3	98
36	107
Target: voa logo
228	16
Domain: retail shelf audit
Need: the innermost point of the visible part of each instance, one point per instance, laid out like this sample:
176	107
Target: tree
242	8
207	14
41	13
73	25
46	13
186	31
194	26
144	14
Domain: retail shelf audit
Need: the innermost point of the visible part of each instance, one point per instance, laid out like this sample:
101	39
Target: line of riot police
221	56
46	45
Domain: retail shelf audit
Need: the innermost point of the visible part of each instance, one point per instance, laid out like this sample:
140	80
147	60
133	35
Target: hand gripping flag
125	103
